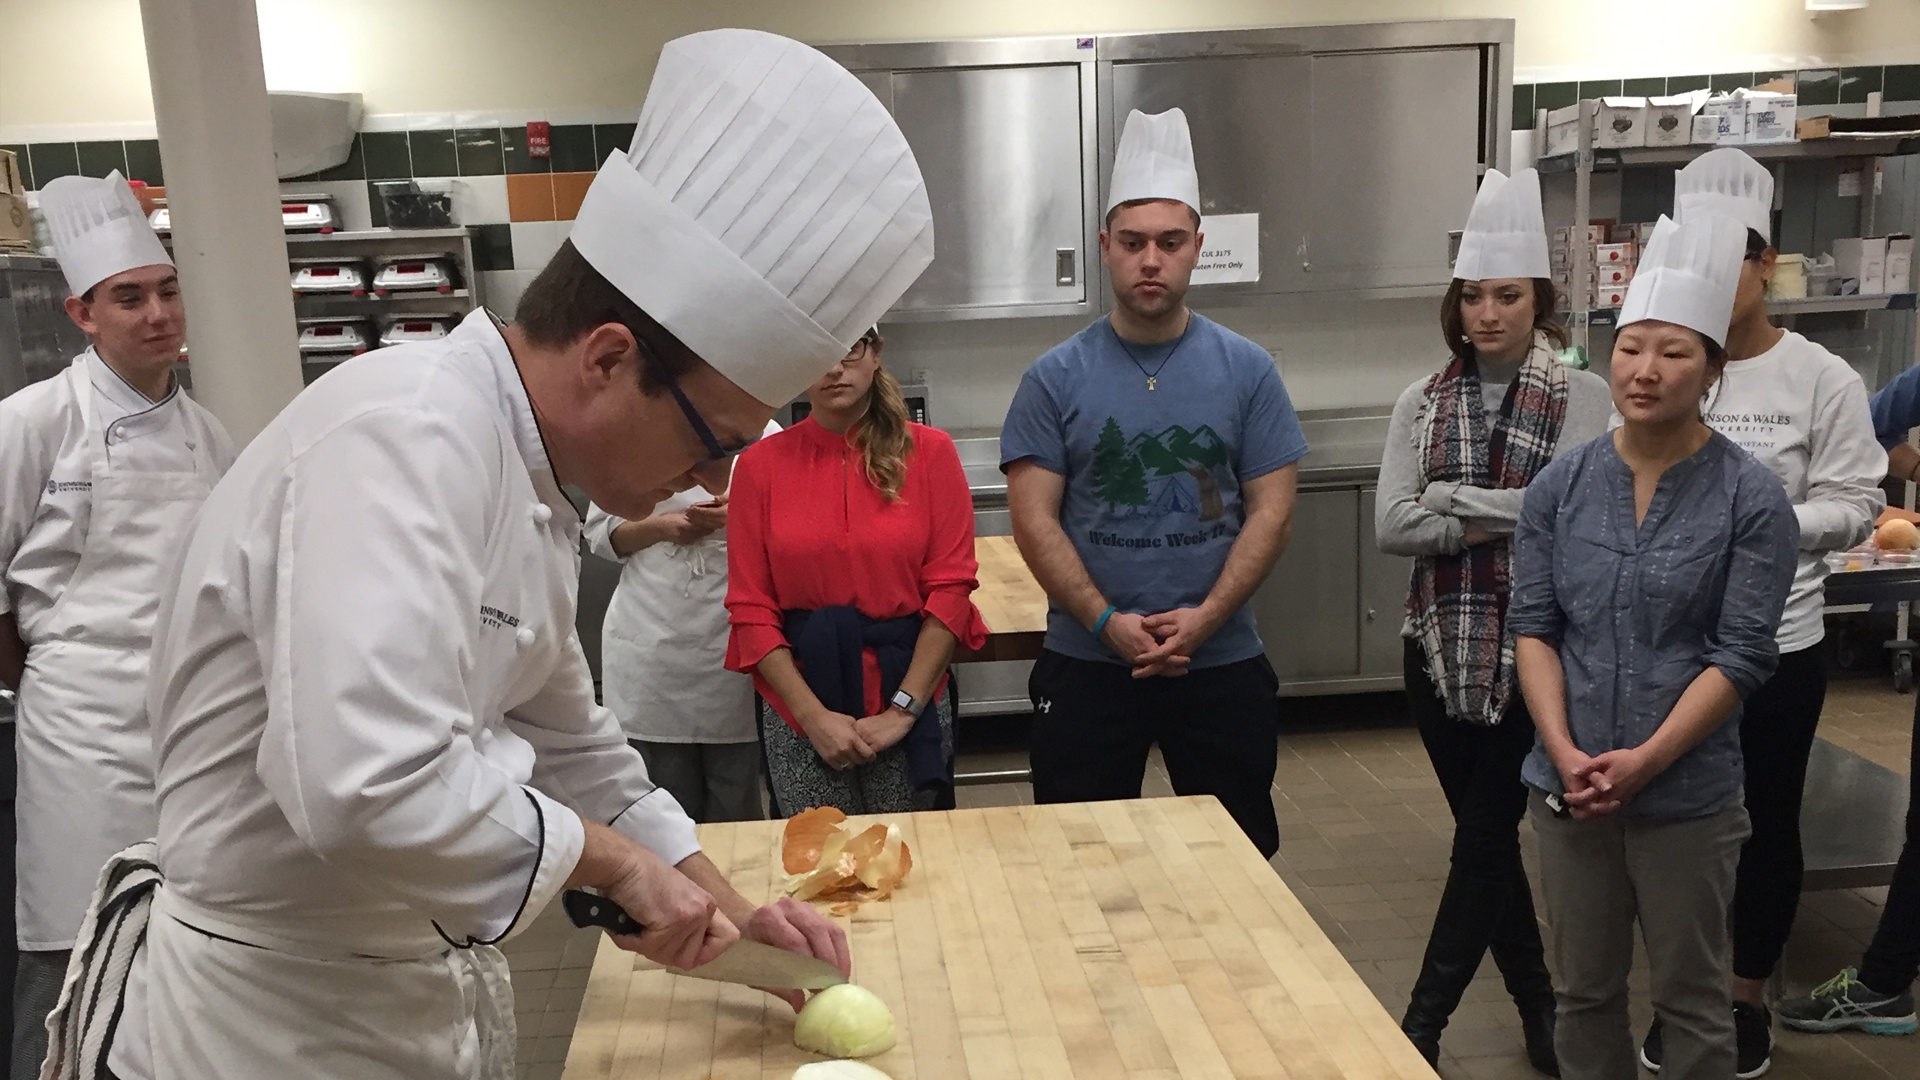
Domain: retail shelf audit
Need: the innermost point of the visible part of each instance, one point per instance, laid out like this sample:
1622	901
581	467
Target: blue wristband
1100	623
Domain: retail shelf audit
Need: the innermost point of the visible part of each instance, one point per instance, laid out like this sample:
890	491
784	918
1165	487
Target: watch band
904	700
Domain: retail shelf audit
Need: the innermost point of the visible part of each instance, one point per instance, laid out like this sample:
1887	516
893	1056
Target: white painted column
216	145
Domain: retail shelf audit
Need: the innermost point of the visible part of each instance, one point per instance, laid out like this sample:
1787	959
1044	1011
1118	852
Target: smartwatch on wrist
904	700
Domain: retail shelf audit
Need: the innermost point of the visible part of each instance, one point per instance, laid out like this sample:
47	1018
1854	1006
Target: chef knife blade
748	963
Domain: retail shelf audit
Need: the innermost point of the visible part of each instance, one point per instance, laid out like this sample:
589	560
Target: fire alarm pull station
539	139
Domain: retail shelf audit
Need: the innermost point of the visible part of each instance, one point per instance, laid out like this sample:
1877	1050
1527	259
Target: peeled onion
838	1070
844	1021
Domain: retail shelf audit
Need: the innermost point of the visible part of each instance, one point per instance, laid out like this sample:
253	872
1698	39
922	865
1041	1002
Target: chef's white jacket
374	725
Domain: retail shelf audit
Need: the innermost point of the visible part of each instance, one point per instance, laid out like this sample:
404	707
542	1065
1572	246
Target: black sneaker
1752	1040
1844	1002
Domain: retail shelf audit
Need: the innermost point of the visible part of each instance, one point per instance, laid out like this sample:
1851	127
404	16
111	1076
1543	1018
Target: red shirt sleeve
753	607
951	571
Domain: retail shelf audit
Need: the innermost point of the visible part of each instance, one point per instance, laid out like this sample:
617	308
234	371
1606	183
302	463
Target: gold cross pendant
1150	381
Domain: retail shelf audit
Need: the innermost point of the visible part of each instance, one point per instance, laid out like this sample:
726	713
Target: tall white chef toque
1726	182
1506	234
1154	161
768	212
98	229
1688	275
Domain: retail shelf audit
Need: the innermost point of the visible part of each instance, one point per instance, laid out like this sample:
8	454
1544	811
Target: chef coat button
542	513
524	636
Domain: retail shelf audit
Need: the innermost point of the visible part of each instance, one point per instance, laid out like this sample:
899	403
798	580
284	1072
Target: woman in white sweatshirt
1802	412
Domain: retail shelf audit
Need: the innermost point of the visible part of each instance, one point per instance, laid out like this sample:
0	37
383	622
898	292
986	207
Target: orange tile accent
569	191
530	197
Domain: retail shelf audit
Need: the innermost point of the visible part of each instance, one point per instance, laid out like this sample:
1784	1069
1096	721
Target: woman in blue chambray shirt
1651	568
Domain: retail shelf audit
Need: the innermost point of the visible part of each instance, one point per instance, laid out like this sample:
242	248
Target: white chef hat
768	212
1154	161
1688	275
98	229
1506	234
1727	182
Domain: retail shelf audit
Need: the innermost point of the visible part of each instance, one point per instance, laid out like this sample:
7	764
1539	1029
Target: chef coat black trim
540	857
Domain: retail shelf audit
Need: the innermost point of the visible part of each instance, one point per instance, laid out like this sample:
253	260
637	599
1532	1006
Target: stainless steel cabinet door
1395	139
1250	119
1306	608
1383	598
1001	150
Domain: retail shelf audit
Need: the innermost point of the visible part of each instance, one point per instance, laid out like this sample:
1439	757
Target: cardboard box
16	220
1706	128
1620	122
1899	263
1770	117
1592	234
1730	119
1862	260
1670	119
1613	277
1616	254
12	181
1610	298
1563	130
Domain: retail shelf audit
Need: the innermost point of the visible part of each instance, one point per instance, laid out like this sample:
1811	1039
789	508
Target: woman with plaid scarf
1462	446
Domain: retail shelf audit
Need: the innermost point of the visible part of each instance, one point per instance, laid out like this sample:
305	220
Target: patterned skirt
798	779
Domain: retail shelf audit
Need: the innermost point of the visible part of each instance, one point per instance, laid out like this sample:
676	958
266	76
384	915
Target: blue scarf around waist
828	644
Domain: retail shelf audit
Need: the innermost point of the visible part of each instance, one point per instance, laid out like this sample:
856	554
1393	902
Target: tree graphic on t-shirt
1118	476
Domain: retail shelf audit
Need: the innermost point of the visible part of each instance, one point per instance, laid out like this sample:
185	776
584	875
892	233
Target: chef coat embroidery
61	487
494	619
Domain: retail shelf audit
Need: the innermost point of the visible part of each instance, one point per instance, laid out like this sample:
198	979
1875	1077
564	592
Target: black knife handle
587	909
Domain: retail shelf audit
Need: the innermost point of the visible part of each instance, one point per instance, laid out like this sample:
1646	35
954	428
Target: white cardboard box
1670	119
1899	263
1616	276
1616	254
1563	130
1620	122
1730	119
1610	297
1864	260
1770	117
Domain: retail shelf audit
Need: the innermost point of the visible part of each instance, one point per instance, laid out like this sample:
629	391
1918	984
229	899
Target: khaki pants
1674	878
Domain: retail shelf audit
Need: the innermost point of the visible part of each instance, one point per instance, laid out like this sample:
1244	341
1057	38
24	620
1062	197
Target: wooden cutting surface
1010	600
1100	941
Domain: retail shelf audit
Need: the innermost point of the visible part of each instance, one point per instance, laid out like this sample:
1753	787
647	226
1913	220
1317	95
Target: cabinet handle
1372	614
1064	271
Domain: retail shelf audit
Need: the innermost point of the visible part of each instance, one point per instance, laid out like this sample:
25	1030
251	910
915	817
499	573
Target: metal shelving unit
1582	163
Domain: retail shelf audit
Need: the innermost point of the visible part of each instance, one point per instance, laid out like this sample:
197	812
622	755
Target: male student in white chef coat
378	750
102	469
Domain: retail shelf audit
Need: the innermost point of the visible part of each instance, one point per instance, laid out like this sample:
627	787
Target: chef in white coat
378	748
662	650
102	469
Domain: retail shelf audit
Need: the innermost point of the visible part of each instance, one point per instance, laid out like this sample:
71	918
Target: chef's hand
789	924
1180	632
836	739
1127	634
883	730
684	927
709	516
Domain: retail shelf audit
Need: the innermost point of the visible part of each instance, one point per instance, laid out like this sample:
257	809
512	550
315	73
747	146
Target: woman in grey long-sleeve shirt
1461	447
1650	569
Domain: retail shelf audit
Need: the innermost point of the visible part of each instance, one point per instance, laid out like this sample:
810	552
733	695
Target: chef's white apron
85	747
663	644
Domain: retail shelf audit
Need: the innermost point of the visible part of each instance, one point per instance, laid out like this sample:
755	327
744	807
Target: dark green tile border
1555	95
1523	106
51	161
1651	87
1595	88
478	151
376	210
354	168
513	149
1857	82
1820	86
573	149
493	247
434	153
26	162
97	159
1684	84
143	162
1729	80
1760	77
610	139
1901	82
386	154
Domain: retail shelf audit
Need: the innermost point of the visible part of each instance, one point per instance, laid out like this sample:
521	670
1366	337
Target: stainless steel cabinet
1383	599
1395	161
1330	612
1251	122
1003	132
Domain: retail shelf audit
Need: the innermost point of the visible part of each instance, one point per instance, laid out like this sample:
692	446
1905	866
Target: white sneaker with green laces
1844	1002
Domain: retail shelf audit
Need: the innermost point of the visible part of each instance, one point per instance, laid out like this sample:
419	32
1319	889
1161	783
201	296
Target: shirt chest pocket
1681	584
1583	575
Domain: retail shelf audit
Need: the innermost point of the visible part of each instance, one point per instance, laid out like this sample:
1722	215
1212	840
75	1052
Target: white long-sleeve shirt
373	720
1802	412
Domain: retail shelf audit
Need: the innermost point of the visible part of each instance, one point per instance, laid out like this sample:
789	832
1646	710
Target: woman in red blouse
851	571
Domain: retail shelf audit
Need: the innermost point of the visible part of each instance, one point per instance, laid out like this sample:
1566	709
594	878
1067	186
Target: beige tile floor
1365	836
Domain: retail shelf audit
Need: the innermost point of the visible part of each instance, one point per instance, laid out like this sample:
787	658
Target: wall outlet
918	377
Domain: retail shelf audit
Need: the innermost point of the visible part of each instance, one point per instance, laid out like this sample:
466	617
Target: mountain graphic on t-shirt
1150	472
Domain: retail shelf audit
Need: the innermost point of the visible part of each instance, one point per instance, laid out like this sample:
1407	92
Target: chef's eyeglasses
715	451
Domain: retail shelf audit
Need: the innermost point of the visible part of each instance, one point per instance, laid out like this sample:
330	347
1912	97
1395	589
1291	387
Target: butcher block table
1098	941
1010	600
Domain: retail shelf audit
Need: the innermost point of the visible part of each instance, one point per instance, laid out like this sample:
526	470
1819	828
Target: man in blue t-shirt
1150	465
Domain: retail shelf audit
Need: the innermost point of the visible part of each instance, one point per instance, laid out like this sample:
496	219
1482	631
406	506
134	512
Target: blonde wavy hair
882	435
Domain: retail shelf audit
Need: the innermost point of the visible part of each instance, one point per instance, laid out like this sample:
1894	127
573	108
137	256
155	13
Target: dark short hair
1546	318
1757	245
570	299
1130	203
